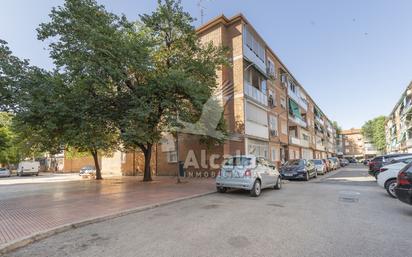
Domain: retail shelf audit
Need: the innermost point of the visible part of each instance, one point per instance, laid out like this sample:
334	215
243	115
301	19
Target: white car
5	172
28	168
388	175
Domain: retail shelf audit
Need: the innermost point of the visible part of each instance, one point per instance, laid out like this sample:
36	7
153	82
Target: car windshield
238	161
88	168
295	163
317	162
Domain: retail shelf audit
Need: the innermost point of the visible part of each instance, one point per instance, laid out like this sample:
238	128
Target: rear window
238	161
317	162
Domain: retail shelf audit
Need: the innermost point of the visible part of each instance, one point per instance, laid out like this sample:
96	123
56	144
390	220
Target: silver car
5	172
319	166
248	172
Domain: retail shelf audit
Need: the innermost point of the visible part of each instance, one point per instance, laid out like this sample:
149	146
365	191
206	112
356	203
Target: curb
19	243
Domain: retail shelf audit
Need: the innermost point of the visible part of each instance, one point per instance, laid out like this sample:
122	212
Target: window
273	123
284	127
273	149
172	157
253	44
271	69
283	102
272	98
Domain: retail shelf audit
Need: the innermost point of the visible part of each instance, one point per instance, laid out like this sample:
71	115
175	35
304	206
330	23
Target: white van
28	168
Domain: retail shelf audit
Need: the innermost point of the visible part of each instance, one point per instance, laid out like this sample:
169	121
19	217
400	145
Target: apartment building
398	126
352	144
267	111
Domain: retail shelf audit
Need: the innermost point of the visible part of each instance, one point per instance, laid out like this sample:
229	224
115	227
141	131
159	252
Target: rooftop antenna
202	10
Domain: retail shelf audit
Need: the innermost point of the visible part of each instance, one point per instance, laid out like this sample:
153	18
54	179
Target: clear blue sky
353	57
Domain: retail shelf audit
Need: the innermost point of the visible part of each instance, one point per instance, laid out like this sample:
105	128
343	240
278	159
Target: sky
353	57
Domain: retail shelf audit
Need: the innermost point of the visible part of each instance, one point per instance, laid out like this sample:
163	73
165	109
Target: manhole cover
349	196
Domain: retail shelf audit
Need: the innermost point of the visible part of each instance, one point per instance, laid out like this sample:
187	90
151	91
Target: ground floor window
172	157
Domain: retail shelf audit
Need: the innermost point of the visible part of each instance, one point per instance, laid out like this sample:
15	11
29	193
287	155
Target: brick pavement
28	210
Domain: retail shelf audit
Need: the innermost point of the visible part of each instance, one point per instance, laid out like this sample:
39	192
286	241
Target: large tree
96	53
182	77
12	75
374	130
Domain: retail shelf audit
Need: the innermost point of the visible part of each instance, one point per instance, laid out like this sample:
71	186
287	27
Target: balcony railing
256	94
298	121
320	146
299	100
319	120
298	141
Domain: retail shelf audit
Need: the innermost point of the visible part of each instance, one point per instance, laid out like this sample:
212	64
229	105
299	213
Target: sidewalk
26	210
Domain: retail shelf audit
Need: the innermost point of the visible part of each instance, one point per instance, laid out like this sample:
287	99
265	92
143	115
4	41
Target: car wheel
37	174
390	187
222	189
256	189
306	177
316	174
278	184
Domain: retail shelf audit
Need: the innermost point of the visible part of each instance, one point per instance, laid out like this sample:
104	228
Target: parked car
5	172
28	168
298	169
335	163
403	187
248	172
87	170
320	166
328	165
376	163
393	161
343	162
388	175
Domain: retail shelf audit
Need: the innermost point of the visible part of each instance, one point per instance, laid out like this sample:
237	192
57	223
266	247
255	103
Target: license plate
288	174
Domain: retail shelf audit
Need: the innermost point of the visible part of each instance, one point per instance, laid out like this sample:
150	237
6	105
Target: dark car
376	163
403	187
299	169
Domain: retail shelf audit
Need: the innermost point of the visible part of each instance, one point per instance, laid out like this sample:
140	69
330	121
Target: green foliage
12	76
116	82
181	78
337	128
375	131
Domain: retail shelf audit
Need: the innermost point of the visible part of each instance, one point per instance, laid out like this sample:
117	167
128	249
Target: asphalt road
346	214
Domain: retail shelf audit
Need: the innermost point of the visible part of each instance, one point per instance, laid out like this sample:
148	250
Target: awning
294	109
318	112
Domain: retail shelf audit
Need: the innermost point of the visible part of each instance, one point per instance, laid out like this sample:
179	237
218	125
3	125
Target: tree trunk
96	165
147	151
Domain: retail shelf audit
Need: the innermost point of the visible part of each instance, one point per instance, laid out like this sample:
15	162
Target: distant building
352	144
399	126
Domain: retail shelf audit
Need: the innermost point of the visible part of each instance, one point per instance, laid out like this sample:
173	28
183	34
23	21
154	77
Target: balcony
299	100
319	119
298	141
298	121
320	146
256	94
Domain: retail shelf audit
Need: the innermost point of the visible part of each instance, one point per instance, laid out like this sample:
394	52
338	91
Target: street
345	214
